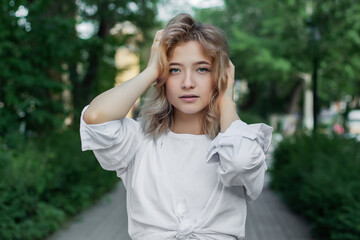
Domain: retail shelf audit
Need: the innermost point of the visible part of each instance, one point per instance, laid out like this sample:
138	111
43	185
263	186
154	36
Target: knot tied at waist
186	225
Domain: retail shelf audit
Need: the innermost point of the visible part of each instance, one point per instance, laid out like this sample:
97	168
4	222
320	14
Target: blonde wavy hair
157	113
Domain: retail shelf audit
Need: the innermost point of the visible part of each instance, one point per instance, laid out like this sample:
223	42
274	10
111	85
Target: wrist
151	73
228	113
226	101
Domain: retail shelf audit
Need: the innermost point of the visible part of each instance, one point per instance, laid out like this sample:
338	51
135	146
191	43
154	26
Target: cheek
209	89
208	86
169	89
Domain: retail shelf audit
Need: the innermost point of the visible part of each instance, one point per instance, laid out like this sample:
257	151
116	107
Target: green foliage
49	73
318	176
251	118
275	43
32	54
44	182
99	70
41	56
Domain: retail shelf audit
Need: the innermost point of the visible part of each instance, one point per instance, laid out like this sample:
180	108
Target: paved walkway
268	219
107	220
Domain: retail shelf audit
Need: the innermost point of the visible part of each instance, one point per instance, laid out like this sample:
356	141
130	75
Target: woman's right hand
153	63
116	102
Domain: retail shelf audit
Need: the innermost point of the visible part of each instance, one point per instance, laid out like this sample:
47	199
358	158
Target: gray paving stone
270	219
107	220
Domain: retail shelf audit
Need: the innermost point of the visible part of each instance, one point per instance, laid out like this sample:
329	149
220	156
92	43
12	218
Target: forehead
191	51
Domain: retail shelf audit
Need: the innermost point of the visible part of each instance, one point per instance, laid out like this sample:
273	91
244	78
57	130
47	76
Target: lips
189	97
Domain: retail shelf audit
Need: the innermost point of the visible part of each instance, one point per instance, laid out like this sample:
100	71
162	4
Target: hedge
44	182
319	177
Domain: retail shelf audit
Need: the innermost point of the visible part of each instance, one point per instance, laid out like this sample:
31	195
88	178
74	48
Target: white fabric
183	186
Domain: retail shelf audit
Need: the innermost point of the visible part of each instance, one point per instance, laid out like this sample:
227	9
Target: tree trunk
83	91
252	96
296	93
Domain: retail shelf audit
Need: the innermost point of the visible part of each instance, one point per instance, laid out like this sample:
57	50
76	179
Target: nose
188	82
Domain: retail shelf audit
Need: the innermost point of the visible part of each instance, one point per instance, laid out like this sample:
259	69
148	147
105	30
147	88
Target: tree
102	45
272	47
42	55
33	46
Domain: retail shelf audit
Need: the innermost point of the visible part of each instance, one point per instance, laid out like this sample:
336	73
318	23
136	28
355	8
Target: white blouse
183	186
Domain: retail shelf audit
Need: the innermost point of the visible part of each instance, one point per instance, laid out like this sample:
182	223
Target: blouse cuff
259	131
99	136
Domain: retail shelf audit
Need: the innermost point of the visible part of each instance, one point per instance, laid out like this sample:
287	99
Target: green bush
44	182
251	118
318	176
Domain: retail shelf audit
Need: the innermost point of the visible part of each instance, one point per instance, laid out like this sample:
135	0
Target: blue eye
174	70
203	70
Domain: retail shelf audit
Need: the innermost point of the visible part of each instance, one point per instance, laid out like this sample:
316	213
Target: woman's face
190	81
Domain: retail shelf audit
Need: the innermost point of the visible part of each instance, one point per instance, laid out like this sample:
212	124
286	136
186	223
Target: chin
190	111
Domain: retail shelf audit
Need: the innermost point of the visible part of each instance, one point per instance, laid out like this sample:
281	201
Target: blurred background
297	69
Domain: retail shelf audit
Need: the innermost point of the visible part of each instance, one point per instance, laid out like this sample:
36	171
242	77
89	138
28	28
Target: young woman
190	164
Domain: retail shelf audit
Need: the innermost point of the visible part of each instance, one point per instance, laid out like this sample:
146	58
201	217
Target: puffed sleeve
114	143
240	152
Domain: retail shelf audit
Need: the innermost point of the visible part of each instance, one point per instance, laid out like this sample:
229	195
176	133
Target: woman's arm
227	105
241	148
115	103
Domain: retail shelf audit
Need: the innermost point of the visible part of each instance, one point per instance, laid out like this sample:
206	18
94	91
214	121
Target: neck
187	123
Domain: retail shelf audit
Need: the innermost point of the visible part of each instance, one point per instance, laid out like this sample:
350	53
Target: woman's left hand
228	95
227	105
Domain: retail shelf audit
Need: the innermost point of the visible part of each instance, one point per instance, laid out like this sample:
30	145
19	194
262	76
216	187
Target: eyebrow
196	63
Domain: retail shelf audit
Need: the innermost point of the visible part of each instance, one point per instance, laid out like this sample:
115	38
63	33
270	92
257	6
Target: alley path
270	219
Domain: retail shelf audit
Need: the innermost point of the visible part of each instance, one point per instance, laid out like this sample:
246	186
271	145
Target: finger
158	36
231	65
159	32
231	69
